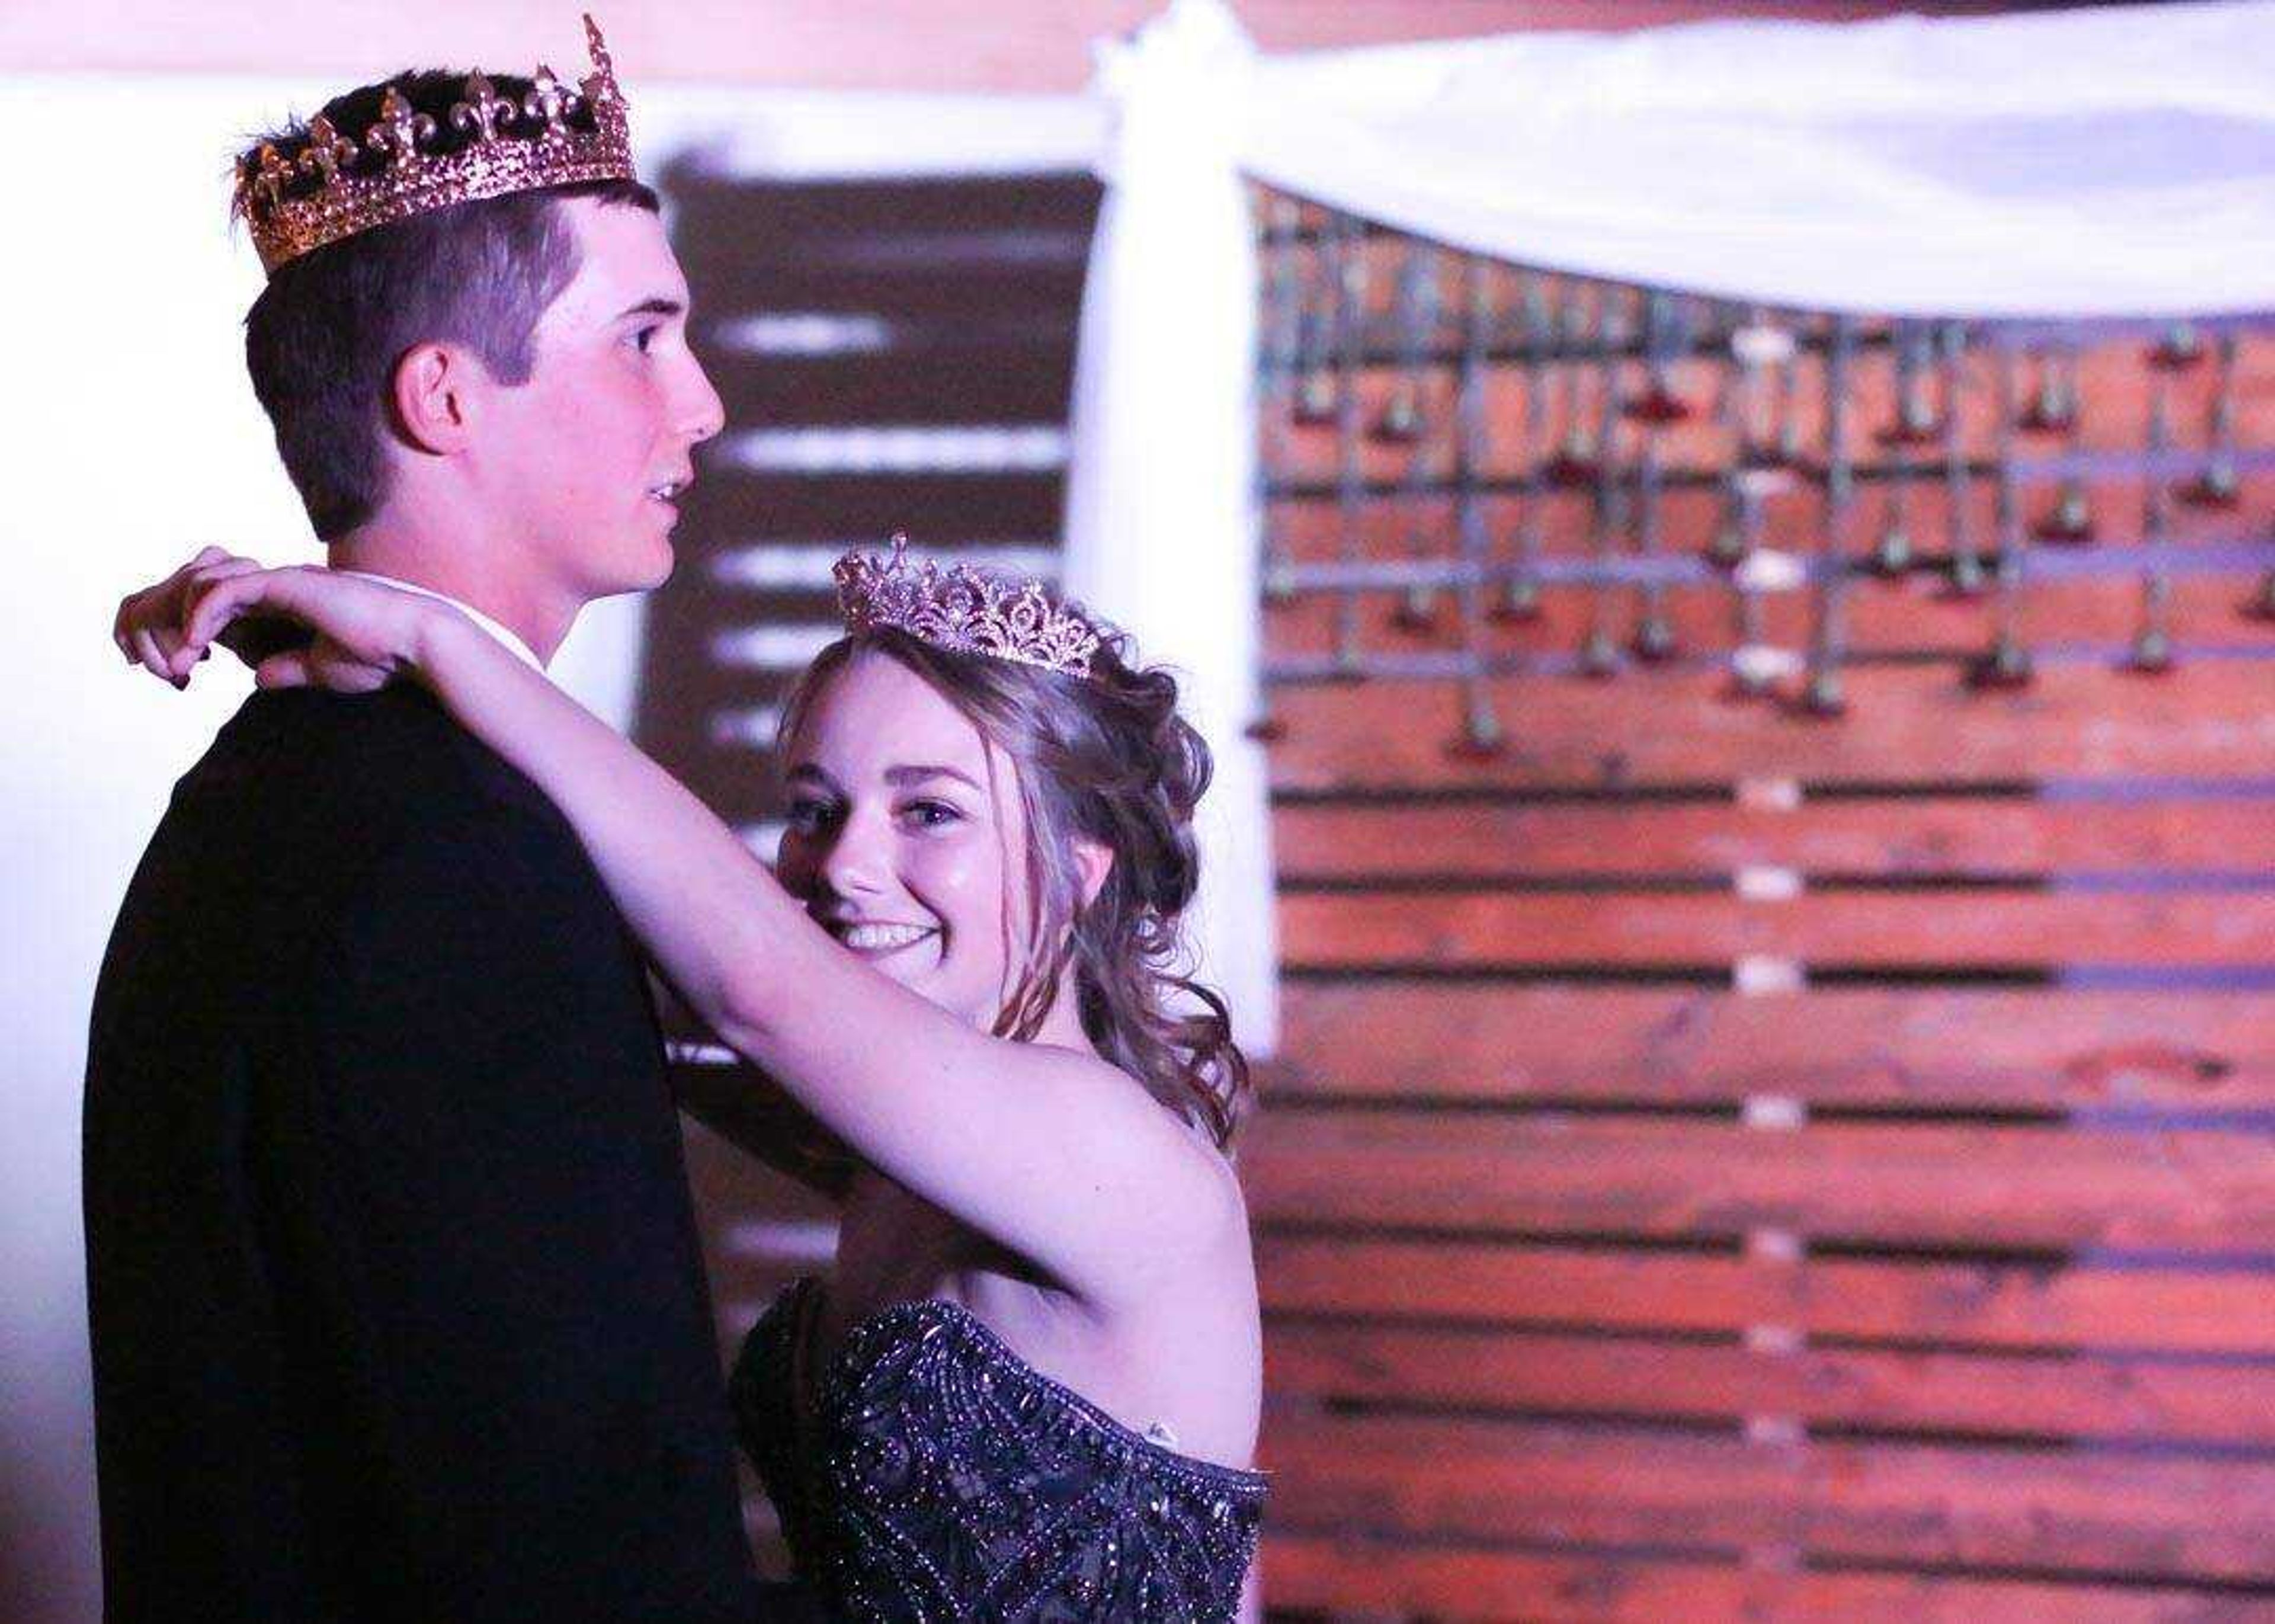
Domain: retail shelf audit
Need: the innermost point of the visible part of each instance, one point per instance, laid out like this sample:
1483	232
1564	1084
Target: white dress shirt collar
512	643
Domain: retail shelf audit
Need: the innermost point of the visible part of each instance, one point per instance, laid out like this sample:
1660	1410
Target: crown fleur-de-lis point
551	102
272	174
328	151
483	111
400	128
601	84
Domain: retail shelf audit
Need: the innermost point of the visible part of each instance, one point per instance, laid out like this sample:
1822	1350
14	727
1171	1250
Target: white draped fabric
2117	162
1161	490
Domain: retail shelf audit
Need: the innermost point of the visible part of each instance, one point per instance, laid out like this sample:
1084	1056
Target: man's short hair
324	339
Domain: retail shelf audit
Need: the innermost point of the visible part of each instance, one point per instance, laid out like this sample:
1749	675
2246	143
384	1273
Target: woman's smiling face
903	821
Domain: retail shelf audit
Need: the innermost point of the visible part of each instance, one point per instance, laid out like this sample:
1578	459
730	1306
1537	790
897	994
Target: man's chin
657	565
637	574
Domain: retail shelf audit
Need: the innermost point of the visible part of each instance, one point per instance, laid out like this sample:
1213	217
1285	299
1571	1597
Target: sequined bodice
938	1476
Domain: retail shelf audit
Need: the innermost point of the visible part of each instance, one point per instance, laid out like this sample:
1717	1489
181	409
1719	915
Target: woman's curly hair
1104	758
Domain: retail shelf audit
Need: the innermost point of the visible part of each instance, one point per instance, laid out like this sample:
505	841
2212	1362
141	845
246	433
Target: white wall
128	439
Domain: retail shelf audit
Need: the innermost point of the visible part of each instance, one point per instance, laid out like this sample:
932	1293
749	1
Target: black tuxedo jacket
397	1308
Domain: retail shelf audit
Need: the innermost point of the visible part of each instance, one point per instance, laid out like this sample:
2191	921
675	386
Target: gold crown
394	175
964	609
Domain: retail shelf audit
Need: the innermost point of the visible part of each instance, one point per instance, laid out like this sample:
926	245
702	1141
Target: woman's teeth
881	938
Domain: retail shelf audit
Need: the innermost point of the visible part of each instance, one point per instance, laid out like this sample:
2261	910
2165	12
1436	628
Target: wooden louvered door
1730	1161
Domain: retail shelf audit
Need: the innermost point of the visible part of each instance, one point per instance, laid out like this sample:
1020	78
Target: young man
397	1308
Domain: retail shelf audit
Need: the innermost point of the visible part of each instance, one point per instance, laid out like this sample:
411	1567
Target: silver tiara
968	610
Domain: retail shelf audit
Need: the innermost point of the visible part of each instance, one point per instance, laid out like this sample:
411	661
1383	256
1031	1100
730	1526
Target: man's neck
456	567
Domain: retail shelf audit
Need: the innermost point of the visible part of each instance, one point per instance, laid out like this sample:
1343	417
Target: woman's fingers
223	567
323	664
342	672
149	629
227	570
214	604
142	642
289	670
138	611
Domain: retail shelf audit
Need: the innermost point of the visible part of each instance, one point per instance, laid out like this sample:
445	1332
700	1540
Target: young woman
1032	1387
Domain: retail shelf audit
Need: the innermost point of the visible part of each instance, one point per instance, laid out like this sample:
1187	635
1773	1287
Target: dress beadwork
941	1477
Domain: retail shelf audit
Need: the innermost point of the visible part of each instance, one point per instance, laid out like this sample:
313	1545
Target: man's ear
1093	862
436	391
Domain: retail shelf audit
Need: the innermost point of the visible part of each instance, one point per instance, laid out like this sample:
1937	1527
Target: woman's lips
876	938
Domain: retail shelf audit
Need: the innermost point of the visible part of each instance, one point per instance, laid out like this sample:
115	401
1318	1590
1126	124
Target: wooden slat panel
2097	1511
2022	1186
757	245
1903	725
1913	618
721	211
972	383
1327	930
1310	521
1310	525
2003	1395
2016	1517
1001	507
1877	837
934	292
1450	1581
1842	1046
1978	1305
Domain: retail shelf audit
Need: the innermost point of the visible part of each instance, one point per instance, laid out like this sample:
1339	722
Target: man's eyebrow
657	306
901	776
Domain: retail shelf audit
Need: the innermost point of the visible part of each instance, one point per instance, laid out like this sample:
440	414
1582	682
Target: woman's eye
642	337
930	814
810	817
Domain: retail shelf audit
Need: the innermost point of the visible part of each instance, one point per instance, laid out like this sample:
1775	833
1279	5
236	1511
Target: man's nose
702	414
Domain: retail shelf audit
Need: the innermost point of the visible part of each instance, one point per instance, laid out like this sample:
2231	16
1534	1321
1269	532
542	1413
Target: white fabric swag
2111	162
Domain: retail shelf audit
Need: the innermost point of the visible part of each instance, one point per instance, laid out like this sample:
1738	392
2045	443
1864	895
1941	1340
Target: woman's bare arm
1051	1154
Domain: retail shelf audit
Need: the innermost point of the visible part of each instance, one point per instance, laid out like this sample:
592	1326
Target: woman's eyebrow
901	776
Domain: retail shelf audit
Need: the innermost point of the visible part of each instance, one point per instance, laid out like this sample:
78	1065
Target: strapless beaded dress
938	1476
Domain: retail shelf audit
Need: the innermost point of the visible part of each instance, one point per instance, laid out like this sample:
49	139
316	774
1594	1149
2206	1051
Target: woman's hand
367	632
296	627
147	628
